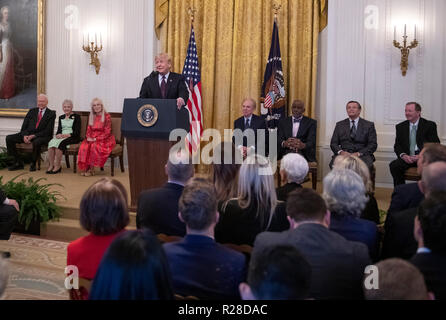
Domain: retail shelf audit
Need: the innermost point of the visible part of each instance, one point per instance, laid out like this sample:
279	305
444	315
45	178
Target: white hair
295	166
344	192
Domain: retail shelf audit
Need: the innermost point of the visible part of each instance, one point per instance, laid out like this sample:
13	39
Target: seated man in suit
354	135
399	239
337	264
164	84
9	211
297	133
411	135
199	266
37	129
406	196
279	273
158	208
430	233
250	125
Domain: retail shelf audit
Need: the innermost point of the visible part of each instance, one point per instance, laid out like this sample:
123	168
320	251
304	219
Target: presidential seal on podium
147	115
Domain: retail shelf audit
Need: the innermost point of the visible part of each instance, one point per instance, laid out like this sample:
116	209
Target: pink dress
95	153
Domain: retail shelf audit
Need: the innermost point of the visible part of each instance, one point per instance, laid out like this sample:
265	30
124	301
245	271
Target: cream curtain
233	41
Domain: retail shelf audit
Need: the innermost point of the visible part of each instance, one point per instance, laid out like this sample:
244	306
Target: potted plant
37	201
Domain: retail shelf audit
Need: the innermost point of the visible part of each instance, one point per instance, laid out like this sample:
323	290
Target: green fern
37	201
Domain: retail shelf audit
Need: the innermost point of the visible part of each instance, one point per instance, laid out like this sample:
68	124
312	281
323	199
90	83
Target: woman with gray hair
293	169
255	209
344	192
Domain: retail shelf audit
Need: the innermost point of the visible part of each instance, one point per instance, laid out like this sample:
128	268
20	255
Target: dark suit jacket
241	226
158	210
337	264
371	211
176	87
399	241
76	126
405	196
426	132
433	267
306	133
205	269
283	191
46	125
364	143
257	123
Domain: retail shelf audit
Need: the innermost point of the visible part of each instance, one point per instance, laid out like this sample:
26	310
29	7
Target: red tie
39	117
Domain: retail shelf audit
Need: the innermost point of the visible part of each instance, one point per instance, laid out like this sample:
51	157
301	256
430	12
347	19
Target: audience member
99	140
430	233
133	268
399	239
4	275
297	133
37	129
103	213
158	208
278	273
354	135
199	266
411	135
68	132
406	196
293	170
9	211
344	193
371	211
255	209
337	264
398	280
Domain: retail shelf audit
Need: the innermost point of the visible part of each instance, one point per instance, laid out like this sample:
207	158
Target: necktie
297	120
39	117
163	87
247	123
353	131
413	140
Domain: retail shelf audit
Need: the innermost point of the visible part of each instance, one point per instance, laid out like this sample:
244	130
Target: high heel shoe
57	171
49	171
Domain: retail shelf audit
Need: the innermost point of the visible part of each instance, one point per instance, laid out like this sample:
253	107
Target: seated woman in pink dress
99	141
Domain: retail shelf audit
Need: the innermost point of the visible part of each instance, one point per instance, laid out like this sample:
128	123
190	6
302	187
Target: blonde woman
256	208
99	141
226	166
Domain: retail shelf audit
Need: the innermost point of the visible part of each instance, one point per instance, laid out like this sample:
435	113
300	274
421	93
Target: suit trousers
397	169
8	220
37	143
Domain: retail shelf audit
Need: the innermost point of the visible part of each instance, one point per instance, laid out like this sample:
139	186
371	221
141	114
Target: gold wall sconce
405	50
93	48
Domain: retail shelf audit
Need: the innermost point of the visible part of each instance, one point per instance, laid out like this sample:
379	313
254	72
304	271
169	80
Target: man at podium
164	84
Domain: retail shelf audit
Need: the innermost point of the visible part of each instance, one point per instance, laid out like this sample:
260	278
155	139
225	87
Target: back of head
344	192
133	268
198	204
432	216
398	280
4	275
179	166
306	205
433	152
226	166
295	166
355	164
279	273
104	208
434	177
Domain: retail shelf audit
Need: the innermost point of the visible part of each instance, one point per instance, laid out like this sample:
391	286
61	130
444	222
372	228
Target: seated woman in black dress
255	209
68	132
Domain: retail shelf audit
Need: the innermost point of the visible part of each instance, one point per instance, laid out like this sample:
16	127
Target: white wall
359	62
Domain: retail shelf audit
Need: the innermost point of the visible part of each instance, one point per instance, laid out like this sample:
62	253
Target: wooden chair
82	292
28	148
412	174
73	149
164	238
118	150
242	248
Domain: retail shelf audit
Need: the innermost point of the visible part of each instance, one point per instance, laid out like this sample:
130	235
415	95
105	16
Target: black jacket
76	125
306	133
257	123
426	132
405	196
176	87
46	125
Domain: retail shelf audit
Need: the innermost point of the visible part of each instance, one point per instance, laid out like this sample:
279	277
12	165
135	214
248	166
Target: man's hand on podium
180	103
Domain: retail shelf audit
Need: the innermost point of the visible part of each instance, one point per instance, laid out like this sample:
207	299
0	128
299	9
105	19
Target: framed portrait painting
22	61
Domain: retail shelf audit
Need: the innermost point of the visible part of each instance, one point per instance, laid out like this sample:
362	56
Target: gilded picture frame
27	49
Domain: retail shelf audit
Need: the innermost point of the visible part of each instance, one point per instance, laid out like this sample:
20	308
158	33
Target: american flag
191	72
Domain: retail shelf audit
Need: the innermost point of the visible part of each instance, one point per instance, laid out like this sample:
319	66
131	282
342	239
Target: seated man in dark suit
293	170
199	266
337	264
251	126
354	135
411	135
37	129
298	133
9	211
406	196
430	232
399	240
158	208
164	84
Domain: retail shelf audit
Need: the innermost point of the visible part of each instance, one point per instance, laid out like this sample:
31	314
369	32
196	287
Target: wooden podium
147	124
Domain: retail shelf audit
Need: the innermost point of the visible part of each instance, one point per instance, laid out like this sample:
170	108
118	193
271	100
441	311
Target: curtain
233	41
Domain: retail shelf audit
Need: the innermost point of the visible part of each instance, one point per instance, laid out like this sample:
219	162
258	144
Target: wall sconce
405	50
92	48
